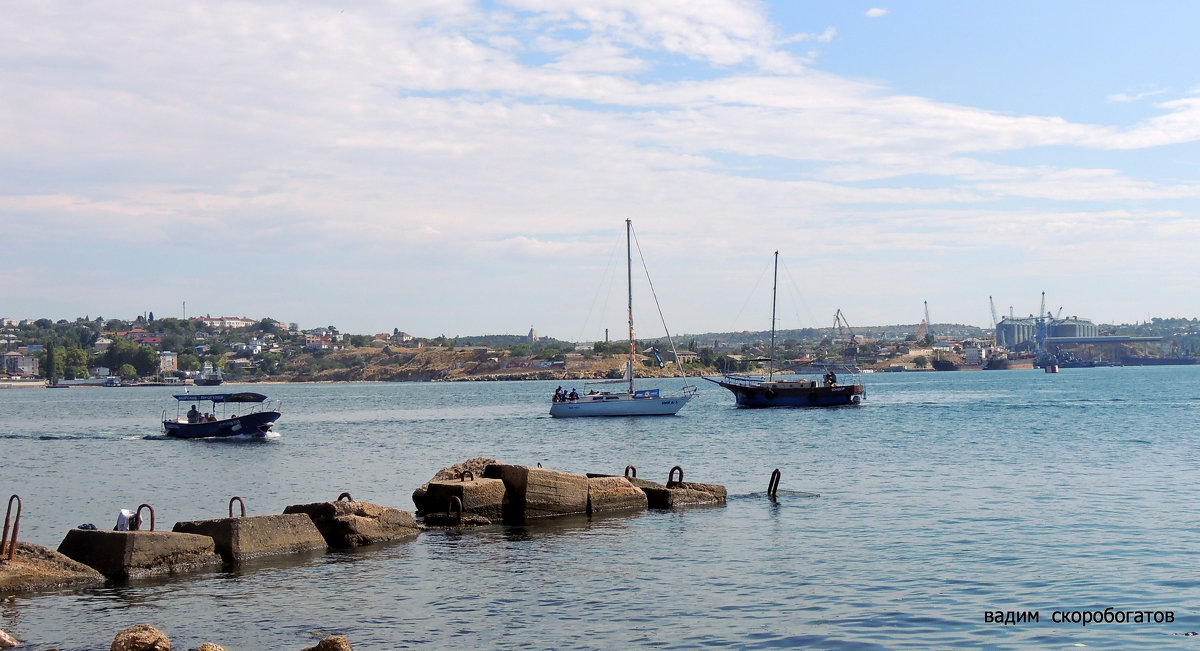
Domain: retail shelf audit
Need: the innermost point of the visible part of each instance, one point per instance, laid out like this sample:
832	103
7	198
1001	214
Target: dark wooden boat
259	414
759	391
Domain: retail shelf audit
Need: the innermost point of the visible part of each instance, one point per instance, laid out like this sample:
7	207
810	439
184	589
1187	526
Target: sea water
944	498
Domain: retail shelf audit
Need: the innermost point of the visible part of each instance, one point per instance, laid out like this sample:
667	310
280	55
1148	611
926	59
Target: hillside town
211	350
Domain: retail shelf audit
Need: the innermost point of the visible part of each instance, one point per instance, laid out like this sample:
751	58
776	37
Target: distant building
20	364
533	336
224	322
168	362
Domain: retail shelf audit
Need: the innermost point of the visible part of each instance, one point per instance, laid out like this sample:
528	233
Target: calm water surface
944	496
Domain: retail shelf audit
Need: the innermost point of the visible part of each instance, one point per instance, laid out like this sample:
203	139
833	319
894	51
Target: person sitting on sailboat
830	379
574	395
559	394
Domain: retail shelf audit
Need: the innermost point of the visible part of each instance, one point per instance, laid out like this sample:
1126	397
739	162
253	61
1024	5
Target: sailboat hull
619	405
779	394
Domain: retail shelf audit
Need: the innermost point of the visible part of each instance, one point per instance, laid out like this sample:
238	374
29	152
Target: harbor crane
843	327
995	323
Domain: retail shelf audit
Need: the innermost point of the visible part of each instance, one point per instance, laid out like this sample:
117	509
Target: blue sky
457	167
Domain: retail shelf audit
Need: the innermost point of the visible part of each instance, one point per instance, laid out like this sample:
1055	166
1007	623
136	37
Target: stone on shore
238	539
37	568
535	493
334	643
347	524
475	466
613	495
137	554
7	641
209	646
141	637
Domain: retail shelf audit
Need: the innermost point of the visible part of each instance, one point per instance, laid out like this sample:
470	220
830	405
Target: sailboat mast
774	284
629	286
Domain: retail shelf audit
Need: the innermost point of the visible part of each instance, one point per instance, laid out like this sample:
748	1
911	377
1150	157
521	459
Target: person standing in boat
193	415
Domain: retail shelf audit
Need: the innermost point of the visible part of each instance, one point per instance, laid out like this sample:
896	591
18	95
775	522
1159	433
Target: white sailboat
632	402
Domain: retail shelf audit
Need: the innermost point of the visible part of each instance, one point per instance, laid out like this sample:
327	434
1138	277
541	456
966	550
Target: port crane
924	329
843	327
995	323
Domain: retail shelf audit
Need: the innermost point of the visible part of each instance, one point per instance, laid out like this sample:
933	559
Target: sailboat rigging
631	402
758	391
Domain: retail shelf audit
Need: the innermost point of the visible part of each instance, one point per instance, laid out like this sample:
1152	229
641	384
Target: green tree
127	372
189	362
75	363
51	369
921	361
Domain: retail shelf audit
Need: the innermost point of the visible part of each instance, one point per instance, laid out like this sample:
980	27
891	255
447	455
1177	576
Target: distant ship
209	377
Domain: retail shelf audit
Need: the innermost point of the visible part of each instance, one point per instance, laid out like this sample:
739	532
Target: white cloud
876	12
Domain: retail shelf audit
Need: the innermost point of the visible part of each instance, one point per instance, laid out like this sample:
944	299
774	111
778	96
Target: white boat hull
622	405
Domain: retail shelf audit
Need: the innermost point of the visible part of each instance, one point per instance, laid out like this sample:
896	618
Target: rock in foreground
37	568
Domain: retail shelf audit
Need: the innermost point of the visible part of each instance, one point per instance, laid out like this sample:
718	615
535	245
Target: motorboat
253	415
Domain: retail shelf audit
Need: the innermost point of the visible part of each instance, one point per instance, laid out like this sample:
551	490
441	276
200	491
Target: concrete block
238	539
475	466
135	554
681	494
614	494
481	499
534	493
347	524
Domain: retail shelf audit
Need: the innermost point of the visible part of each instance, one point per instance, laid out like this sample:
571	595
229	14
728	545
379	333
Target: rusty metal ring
239	501
12	549
773	485
630	472
450	508
462	476
345	495
137	517
671	477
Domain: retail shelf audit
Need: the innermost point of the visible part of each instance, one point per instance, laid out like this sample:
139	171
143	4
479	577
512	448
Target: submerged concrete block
534	493
346	524
135	554
238	539
614	494
680	494
482	500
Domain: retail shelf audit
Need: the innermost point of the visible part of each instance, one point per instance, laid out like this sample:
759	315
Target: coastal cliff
392	364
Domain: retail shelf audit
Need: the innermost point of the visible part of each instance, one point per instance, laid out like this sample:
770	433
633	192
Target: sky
458	167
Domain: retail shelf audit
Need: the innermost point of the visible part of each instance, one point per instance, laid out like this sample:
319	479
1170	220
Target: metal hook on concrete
345	495
630	472
671	477
453	504
12	550
137	518
239	501
462	476
773	485
539	464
